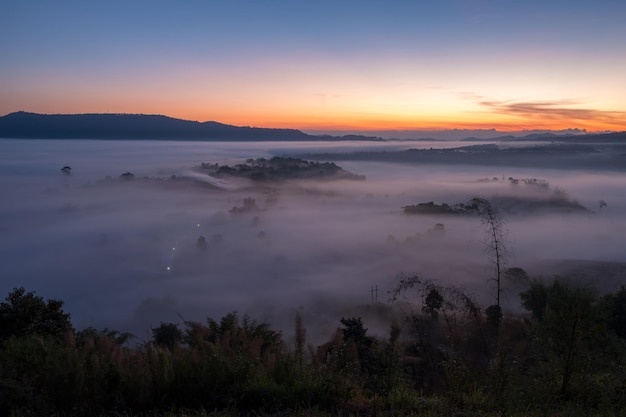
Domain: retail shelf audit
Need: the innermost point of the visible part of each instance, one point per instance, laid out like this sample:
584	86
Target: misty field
125	255
132	235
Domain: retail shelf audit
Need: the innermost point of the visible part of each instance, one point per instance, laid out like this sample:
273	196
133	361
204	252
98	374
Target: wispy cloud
553	110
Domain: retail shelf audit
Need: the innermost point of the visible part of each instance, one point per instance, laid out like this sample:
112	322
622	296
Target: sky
348	65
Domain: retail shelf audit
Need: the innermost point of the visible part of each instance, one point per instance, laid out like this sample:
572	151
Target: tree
300	336
127	176
615	305
354	331
461	314
433	303
167	335
494	315
568	323
496	247
23	313
355	337
535	299
249	206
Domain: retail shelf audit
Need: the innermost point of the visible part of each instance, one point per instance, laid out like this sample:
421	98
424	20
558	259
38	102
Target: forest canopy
442	355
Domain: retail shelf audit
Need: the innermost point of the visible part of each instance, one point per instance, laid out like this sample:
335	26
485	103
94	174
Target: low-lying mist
128	254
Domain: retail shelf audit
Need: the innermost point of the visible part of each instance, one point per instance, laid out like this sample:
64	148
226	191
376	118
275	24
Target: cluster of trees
473	207
281	168
555	202
446	354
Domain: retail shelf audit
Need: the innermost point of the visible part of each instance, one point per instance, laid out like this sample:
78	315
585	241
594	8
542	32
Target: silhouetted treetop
24	313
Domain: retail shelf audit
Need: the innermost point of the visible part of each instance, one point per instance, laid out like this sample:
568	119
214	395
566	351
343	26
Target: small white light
168	268
173	248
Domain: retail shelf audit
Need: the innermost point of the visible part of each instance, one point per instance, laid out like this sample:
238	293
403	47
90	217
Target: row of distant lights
169	268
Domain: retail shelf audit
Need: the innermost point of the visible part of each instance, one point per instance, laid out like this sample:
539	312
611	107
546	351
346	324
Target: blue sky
336	65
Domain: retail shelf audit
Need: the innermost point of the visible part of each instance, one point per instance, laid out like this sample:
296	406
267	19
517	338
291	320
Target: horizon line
355	130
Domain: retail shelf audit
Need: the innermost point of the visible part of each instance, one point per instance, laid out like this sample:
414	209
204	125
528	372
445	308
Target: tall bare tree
497	249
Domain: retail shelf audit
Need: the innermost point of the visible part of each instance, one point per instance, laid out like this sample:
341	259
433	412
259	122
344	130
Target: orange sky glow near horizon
336	113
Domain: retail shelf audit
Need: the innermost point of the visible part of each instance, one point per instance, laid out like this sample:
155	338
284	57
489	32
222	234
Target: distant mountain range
24	125
614	137
601	155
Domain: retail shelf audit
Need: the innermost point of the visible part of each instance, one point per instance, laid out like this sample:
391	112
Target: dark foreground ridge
564	355
24	125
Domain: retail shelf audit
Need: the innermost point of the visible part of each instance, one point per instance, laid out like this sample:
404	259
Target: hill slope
136	126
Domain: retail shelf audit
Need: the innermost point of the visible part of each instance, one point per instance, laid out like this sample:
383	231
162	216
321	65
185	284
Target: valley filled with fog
175	243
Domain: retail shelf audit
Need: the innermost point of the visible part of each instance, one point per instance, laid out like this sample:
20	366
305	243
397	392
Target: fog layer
129	254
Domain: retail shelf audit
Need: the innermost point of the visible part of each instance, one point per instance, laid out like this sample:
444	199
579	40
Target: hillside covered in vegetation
280	168
444	355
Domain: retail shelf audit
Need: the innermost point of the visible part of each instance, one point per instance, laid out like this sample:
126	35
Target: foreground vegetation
448	356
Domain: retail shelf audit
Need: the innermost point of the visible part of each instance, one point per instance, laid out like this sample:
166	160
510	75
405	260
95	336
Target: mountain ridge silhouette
121	126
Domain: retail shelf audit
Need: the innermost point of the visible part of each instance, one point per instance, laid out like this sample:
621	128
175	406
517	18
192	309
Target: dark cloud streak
553	110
